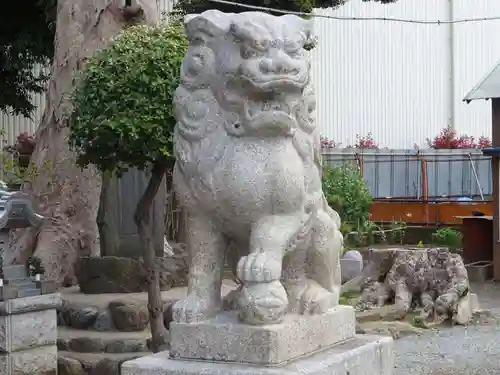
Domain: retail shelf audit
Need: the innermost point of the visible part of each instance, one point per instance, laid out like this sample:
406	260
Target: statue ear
211	22
308	33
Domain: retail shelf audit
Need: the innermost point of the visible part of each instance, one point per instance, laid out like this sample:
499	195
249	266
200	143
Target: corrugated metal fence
419	174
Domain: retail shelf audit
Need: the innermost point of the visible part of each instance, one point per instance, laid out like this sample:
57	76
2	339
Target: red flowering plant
366	141
328	143
21	151
449	139
25	144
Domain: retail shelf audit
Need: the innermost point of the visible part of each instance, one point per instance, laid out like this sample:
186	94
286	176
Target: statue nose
276	64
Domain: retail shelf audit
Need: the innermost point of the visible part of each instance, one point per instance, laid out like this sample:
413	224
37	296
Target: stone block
30	304
8	292
47	286
350	268
224	338
28	330
466	308
361	355
38	361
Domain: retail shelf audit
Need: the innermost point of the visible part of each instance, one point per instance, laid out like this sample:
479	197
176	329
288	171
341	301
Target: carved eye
261	45
248	52
292	48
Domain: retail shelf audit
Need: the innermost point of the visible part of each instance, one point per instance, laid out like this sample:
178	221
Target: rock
465	310
387	313
106	367
62	344
61	320
80	318
90	361
69	366
129	316
127	346
87	345
168	315
351	265
97	275
163	348
104	322
474	302
394	329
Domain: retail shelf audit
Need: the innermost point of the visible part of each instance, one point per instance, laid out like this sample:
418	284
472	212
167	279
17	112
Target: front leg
263	299
206	245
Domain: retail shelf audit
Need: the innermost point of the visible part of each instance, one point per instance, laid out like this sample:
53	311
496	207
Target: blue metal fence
412	173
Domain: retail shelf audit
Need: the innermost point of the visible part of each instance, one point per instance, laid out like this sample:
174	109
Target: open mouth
275	105
273	117
277	82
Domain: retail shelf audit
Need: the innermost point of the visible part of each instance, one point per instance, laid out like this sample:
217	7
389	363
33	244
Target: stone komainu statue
248	170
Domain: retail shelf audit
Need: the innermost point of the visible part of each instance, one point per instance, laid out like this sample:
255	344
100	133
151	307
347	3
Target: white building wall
476	53
394	79
388	78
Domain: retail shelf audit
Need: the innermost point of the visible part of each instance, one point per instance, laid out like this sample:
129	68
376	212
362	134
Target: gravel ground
471	350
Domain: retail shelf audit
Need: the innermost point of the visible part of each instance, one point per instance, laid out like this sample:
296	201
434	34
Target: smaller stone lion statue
248	171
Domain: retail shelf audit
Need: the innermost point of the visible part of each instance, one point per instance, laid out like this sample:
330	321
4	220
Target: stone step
28	292
101	312
93	362
14	272
84	341
21	282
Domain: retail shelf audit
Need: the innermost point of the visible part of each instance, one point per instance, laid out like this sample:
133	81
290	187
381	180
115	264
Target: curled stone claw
258	267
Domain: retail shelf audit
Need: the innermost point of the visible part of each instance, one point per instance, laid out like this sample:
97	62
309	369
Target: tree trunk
143	222
107	220
65	194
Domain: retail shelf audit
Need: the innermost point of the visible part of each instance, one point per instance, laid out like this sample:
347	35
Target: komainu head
251	69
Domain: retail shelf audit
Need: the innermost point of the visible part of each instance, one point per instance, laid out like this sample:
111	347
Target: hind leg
311	274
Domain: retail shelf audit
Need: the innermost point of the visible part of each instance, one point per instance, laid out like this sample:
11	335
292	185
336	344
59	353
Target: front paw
194	309
258	268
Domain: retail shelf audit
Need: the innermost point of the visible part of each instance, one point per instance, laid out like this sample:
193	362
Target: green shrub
397	232
448	237
123	113
347	193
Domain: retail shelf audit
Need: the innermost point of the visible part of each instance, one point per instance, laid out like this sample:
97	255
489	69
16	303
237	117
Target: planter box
480	271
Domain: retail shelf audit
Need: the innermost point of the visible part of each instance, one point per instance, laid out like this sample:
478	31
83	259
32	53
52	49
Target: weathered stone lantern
18	281
28	319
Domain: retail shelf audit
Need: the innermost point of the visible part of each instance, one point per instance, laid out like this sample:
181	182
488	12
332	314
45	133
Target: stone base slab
39	361
361	355
28	330
224	338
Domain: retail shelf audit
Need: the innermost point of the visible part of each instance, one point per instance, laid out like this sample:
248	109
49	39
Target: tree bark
64	193
107	218
143	222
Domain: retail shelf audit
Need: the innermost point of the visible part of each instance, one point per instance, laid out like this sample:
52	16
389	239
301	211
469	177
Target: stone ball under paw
264	303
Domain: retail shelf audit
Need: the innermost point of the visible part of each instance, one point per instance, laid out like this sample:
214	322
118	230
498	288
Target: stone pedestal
28	335
224	338
319	344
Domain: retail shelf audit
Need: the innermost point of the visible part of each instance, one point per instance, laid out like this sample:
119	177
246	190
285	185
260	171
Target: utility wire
400	20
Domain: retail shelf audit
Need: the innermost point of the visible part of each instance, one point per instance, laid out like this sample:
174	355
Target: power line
400	20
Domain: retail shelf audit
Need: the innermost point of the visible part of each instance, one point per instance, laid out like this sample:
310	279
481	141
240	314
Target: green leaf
123	101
